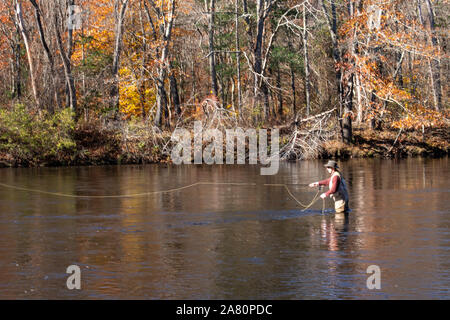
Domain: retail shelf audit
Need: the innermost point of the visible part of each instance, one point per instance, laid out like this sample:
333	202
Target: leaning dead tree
308	135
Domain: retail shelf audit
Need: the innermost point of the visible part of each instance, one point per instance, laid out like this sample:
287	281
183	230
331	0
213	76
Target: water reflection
213	242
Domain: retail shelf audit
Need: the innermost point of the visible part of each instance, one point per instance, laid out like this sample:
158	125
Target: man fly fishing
338	188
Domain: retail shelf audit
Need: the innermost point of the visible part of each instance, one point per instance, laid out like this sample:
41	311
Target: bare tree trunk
233	95
83	59
69	46
347	130
25	36
294	105
279	94
238	59
263	8
17	91
212	57
161	97
194	82
356	76
166	30
348	86
174	96
67	66
141	81
292	73
332	27
37	13
435	68
258	52
360	115
344	78
305	54
374	123
120	10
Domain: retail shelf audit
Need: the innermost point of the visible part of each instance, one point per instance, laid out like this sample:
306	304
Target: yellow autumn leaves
134	98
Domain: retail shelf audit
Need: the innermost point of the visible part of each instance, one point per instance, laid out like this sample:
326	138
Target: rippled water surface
224	241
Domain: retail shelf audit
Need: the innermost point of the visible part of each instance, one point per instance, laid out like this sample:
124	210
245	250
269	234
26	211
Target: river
222	241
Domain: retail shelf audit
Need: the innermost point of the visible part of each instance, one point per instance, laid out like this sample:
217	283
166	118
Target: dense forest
107	81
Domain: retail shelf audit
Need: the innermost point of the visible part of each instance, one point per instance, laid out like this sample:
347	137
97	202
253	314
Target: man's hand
314	184
323	195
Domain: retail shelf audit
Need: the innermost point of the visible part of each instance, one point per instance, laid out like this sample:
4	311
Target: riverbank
388	143
108	147
30	139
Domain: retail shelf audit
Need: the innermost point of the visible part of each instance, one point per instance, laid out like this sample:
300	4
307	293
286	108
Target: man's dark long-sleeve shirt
334	184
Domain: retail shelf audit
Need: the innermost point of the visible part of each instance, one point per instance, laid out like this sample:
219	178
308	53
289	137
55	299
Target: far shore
104	148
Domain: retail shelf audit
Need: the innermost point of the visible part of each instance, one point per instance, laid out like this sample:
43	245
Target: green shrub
27	136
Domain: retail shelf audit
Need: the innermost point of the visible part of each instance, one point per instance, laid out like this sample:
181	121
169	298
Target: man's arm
320	183
324	182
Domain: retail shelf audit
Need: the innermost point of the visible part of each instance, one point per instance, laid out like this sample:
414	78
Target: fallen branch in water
307	143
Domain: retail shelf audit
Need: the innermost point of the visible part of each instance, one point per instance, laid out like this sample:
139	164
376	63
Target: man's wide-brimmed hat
331	164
